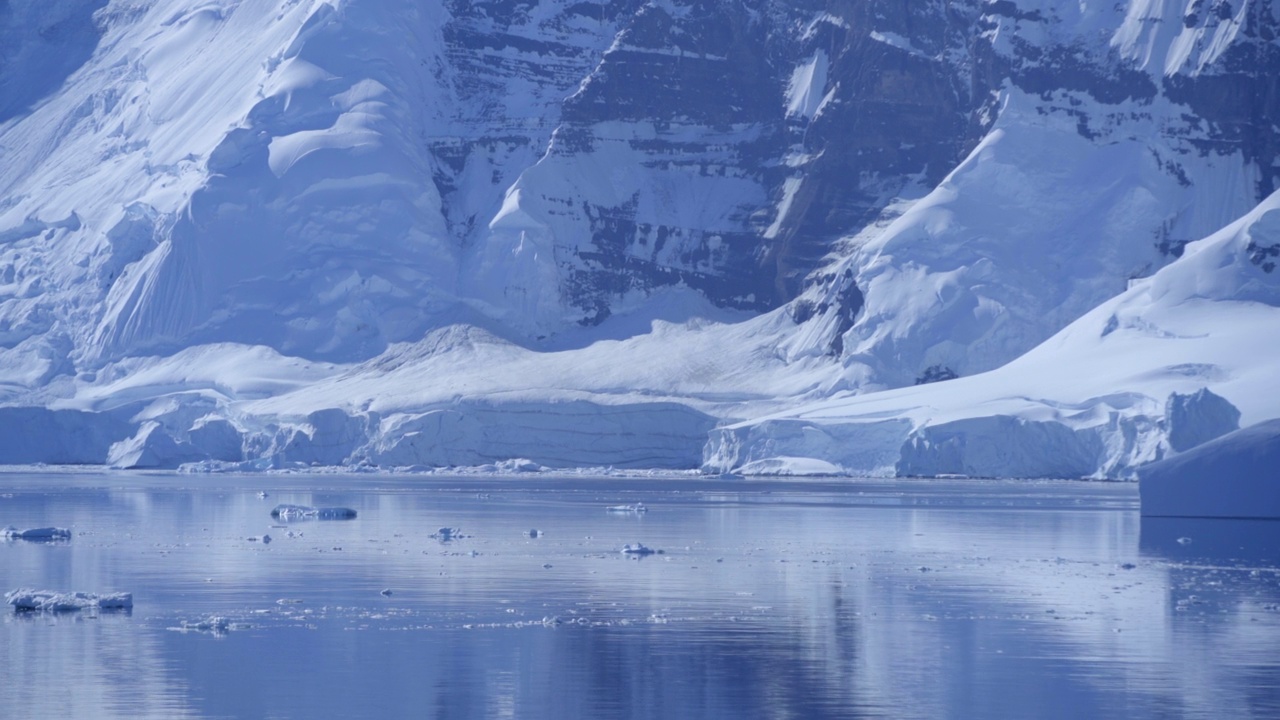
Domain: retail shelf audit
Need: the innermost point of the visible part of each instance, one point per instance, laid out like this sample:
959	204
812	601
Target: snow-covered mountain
745	235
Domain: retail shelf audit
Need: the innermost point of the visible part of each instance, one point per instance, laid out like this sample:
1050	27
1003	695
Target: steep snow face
1122	386
651	178
327	178
313	231
299	175
1118	165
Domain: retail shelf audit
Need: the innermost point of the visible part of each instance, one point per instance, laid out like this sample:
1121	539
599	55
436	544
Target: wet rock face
1237	99
899	93
506	68
899	112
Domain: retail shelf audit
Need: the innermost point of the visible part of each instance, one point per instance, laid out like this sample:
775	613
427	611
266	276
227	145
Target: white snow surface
1234	476
1089	402
220	248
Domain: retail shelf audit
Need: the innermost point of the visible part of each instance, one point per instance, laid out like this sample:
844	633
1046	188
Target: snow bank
1237	475
29	600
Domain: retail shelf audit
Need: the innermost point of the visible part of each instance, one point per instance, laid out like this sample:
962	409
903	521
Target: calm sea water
770	600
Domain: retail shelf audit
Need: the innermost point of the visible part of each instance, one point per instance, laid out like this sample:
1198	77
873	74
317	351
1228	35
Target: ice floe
28	600
305	512
639	549
213	625
44	534
446	534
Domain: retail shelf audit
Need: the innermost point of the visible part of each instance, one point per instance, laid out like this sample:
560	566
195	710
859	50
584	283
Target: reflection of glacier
64	666
902	600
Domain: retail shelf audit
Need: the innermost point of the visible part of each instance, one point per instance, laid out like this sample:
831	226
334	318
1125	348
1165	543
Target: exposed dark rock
936	373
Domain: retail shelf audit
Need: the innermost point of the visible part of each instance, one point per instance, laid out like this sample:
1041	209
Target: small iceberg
304	512
46	534
28	600
447	534
639	550
627	509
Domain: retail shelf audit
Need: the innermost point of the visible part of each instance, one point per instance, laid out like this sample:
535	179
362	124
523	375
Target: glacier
1015	239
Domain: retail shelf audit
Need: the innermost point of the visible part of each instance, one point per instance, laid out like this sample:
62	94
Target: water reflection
771	600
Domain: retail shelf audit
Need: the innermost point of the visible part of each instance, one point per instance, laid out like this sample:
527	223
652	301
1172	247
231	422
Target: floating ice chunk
29	600
445	534
36	534
215	624
638	549
628	509
304	512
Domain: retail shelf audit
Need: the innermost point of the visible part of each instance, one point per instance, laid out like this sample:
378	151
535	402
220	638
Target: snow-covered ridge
382	233
1180	358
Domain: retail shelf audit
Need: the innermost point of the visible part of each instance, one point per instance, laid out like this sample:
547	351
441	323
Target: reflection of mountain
1014	601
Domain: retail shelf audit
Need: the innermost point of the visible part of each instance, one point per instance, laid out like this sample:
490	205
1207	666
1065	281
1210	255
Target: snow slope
1099	398
676	234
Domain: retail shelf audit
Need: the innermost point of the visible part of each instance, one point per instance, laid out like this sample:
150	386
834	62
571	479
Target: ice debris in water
214	624
36	534
445	534
304	512
30	600
628	509
638	549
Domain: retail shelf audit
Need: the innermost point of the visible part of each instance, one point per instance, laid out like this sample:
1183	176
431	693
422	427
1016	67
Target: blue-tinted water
770	600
